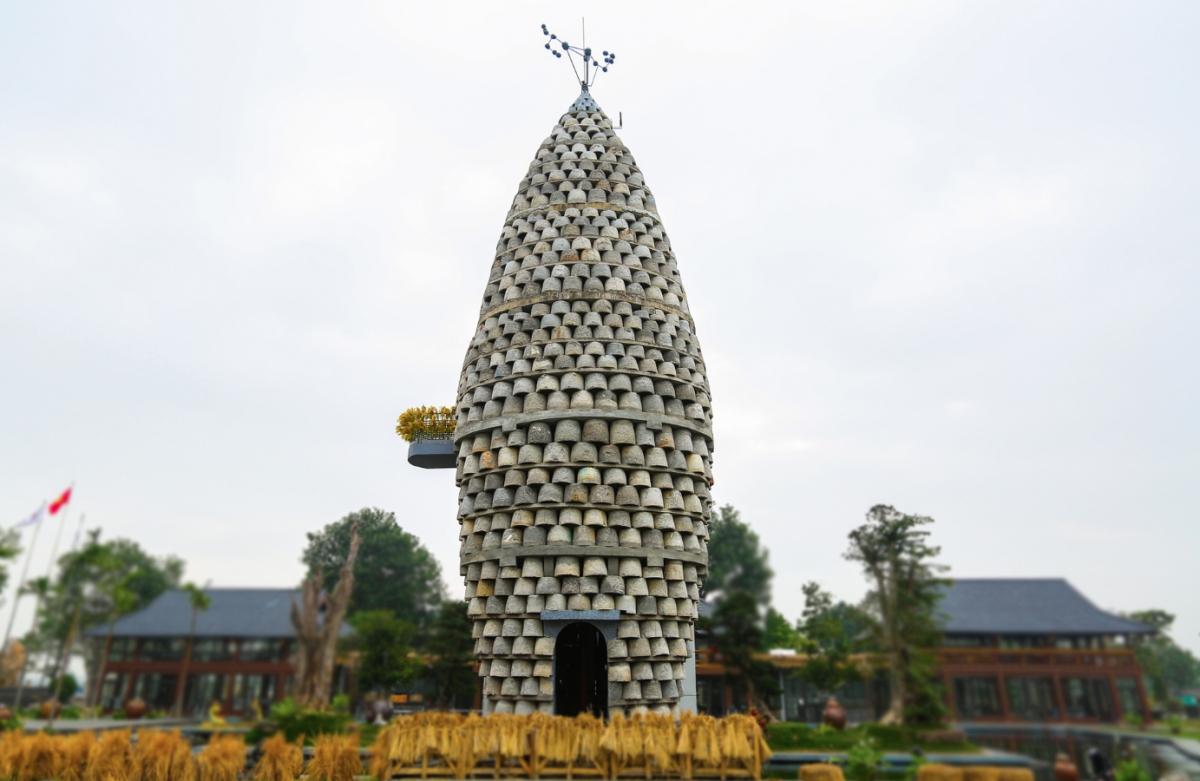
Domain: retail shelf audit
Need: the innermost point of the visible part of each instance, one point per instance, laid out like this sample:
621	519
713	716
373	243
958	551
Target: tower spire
590	67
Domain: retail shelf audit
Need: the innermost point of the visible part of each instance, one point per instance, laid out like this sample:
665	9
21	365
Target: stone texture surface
584	435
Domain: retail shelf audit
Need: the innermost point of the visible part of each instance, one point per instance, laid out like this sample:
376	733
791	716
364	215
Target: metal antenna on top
591	68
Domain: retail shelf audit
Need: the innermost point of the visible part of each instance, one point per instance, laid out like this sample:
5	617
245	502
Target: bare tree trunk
181	687
888	600
316	639
95	681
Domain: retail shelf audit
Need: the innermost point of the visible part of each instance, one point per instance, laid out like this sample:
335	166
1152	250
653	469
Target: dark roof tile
1049	606
234	612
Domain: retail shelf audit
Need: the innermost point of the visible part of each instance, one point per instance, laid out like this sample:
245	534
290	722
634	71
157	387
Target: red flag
60	502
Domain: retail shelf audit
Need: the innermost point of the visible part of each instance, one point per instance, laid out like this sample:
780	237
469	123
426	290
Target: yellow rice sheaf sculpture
542	746
280	760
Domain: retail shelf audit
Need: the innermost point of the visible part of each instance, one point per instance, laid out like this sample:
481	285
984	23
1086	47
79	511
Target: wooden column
1059	698
1005	709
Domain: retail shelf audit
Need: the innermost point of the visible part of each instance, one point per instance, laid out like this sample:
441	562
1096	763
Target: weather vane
591	68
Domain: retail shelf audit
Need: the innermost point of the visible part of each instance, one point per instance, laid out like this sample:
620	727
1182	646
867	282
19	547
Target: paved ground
79	725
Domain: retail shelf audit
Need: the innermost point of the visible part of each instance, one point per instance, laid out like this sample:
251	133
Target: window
157	690
162	650
121	649
967	641
1080	642
248	689
212	650
202	691
112	691
710	695
1032	698
976	697
1024	641
261	651
1131	700
1088	698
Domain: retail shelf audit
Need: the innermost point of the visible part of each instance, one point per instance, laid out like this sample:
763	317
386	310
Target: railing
1042	657
991	657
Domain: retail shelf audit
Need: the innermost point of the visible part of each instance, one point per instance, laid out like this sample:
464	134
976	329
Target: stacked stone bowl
584	439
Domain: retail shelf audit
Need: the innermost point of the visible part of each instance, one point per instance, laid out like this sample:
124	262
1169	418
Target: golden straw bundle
1016	774
335	758
938	772
821	772
163	756
223	758
39	759
111	758
75	749
283	761
12	746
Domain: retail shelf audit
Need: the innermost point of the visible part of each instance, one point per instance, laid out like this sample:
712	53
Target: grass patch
792	736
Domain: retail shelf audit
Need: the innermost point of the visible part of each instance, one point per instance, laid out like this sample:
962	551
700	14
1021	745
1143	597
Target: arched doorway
580	671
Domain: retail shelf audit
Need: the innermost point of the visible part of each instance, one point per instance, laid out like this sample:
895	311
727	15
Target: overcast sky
940	255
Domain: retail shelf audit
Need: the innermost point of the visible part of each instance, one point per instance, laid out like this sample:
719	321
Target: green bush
862	761
794	736
1131	770
71	712
295	721
67	686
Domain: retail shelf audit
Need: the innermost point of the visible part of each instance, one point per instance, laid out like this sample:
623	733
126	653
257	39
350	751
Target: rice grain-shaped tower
583	441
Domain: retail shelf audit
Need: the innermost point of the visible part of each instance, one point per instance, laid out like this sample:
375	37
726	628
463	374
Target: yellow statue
215	721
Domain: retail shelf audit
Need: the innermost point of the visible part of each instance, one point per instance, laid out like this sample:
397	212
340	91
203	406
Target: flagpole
37	604
12	617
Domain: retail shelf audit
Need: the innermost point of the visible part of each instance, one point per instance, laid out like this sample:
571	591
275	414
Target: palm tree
199	601
40	588
123	601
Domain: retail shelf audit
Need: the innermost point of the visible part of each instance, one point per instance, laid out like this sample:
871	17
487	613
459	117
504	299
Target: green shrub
67	686
1131	770
71	712
793	736
862	761
295	721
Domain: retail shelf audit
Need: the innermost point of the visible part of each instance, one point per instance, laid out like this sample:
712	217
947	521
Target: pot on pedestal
1065	769
834	715
135	708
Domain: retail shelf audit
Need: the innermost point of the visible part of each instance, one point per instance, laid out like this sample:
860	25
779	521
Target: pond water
1157	755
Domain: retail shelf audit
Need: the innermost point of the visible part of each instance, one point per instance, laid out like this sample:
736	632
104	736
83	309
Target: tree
1168	668
317	636
829	633
737	632
736	559
780	633
739	586
199	602
451	652
10	546
123	600
902	602
384	645
85	584
393	572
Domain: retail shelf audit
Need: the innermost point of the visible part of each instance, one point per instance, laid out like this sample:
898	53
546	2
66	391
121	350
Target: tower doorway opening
581	671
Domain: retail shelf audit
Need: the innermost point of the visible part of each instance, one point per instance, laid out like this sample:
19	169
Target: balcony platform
432	454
